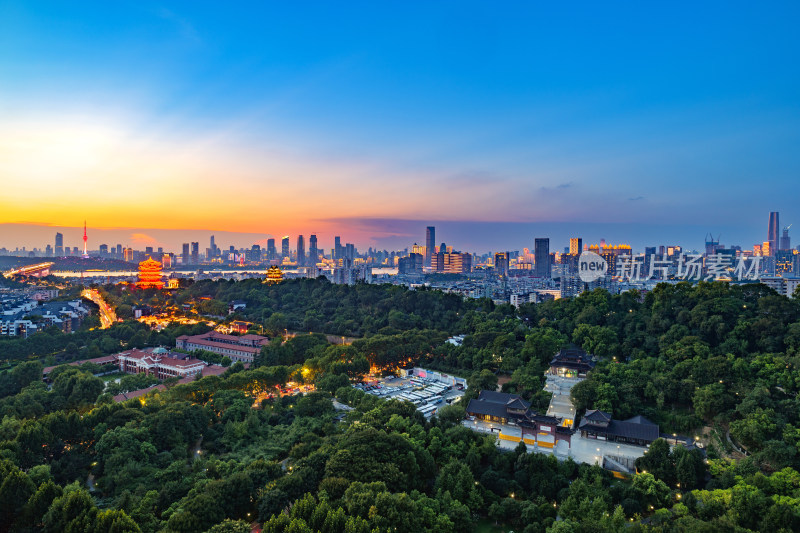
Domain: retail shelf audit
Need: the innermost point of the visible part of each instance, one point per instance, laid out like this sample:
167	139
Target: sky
646	124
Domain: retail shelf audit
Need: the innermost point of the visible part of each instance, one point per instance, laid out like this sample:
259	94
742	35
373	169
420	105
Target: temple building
638	430
510	409
571	362
274	275
150	274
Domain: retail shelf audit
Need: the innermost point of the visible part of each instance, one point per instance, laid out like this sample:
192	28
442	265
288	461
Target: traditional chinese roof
637	427
572	357
596	417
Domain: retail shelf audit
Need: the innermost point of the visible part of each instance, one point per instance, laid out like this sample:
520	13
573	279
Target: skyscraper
430	244
195	253
337	248
185	254
301	251
213	247
575	245
59	245
541	252
285	247
501	263
773	232
313	252
786	242
271	251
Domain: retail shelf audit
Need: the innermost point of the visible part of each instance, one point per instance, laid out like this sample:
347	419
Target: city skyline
133	116
459	233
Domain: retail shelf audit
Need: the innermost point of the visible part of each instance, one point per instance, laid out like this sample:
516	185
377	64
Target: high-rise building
119	251
575	245
213	247
195	253
501	263
103	250
271	251
410	265
773	232
148	250
59	245
430	244
301	251
255	253
786	242
337	248
541	252
313	251
285	247
185	254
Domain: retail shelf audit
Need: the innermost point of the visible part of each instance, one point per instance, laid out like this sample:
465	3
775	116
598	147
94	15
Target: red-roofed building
244	348
158	362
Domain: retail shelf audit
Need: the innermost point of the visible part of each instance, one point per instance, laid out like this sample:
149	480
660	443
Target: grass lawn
486	525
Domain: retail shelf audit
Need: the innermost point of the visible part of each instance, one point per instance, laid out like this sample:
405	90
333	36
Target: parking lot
426	393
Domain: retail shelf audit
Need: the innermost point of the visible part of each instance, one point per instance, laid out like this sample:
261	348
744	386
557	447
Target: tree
15	491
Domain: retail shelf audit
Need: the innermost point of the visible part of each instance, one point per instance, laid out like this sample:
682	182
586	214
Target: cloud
559	187
636	198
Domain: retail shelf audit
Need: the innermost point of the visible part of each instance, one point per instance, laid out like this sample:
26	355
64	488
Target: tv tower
85	249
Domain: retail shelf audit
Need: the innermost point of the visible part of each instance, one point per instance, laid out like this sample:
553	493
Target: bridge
38	270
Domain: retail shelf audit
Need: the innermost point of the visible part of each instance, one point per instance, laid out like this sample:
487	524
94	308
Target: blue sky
367	118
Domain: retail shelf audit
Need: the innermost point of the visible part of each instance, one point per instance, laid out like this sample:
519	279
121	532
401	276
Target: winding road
107	315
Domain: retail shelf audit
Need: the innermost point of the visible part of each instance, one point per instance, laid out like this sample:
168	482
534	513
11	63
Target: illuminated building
274	275
195	253
501	263
166	260
85	240
271	251
611	252
575	246
285	247
150	274
185	254
452	263
159	363
59	245
128	254
244	348
784	261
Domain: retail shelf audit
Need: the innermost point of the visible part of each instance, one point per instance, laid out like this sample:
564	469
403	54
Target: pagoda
150	274
274	275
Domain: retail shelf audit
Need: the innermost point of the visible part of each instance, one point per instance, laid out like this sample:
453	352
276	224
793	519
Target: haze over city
496	125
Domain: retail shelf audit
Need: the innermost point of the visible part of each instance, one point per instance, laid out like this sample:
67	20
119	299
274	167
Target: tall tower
285	247
301	251
59	245
786	241
773	232
541	250
313	252
430	244
85	239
